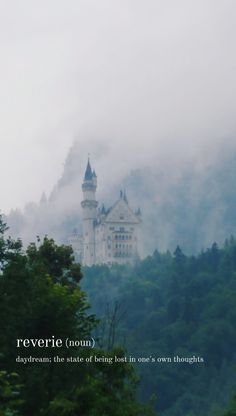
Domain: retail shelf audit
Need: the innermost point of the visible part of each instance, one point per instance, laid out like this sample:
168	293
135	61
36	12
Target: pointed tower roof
88	173
103	211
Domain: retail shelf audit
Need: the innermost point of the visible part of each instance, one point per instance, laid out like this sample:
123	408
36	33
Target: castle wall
116	243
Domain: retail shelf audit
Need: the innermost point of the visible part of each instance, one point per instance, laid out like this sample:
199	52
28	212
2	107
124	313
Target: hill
173	305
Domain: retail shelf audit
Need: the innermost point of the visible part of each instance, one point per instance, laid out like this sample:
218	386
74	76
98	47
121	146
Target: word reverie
41	343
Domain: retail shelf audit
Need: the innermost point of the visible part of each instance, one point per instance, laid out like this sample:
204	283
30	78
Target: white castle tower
89	208
110	236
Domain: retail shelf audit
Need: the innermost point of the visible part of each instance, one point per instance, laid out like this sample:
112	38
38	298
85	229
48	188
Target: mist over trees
189	202
168	305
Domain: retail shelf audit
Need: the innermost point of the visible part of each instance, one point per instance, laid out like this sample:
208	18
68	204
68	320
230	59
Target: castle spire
88	173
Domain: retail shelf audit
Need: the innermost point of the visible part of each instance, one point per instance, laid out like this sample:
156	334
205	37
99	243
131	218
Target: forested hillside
175	312
190	203
41	301
174	305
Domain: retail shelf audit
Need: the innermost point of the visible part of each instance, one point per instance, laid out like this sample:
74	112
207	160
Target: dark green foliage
9	394
40	298
176	305
230	410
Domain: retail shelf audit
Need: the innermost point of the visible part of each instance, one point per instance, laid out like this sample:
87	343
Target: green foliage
176	305
229	411
9	394
164	306
40	298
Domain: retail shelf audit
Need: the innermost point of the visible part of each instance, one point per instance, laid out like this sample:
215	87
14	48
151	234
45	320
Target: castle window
122	229
121	217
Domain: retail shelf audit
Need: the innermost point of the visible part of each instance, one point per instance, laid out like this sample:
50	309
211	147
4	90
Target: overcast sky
140	78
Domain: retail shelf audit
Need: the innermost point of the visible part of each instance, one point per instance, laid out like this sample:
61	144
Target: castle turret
89	205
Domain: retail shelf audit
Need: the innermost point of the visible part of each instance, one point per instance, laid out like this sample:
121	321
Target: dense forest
172	305
173	314
40	298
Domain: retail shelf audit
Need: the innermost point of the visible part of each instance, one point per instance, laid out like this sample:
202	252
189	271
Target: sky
135	82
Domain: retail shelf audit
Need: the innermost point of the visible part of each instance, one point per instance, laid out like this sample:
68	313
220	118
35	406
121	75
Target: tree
179	260
40	298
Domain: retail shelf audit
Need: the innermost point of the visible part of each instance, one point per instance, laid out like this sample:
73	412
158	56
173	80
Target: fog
135	84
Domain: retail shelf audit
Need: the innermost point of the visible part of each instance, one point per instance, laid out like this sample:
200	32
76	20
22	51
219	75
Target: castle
109	236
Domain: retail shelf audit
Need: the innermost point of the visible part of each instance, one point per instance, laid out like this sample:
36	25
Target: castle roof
103	211
88	173
121	212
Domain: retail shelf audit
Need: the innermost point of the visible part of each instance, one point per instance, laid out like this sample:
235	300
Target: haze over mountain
135	83
187	201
